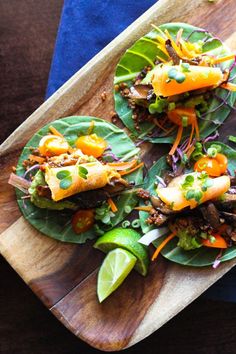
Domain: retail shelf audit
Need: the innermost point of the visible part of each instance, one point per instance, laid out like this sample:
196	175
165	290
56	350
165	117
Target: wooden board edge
62	101
209	277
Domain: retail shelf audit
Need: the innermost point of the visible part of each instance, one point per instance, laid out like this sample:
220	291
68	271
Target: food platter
64	275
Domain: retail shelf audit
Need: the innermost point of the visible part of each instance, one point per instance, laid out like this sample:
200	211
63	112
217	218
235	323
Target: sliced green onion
212	239
215	146
184	121
127	209
212	152
135	224
125	224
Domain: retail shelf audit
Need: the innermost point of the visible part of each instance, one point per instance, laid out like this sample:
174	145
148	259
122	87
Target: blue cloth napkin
86	27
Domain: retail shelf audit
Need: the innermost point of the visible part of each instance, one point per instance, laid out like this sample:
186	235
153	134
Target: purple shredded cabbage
161	181
228	171
184	145
232	78
196	31
233	64
223	100
216	108
211	137
108	148
180	152
217	261
111	154
32	168
139	142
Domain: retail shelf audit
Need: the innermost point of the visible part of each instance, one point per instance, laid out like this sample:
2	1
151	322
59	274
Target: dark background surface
27	35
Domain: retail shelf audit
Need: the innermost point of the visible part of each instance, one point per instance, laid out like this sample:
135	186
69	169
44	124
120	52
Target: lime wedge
114	269
128	240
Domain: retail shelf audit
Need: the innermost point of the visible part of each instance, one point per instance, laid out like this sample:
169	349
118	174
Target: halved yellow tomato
53	145
91	145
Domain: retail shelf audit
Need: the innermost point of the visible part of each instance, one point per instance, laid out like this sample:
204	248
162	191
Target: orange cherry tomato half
209	165
91	145
218	243
53	145
222	161
83	220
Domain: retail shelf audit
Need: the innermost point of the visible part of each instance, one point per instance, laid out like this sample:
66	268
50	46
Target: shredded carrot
112	205
190	151
197	129
144	208
119	166
229	86
155	121
177	140
170	130
190	138
162	245
122	173
54	131
38	159
222	59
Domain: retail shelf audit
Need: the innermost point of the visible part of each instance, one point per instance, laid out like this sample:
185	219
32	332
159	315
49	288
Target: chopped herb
203	176
65	183
188	182
206	184
82	172
232	138
185	67
62	174
65	179
171	106
198	196
190	194
176	75
194	194
158	106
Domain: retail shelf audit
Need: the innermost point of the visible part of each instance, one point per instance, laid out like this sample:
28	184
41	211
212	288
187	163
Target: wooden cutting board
63	275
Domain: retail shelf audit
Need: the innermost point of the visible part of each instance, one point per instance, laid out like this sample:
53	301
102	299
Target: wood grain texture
63	275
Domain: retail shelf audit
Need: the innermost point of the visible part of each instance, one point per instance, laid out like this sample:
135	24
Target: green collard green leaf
144	52
203	256
57	223
150	185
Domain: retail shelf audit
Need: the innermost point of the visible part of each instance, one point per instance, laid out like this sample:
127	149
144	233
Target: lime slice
114	269
128	240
